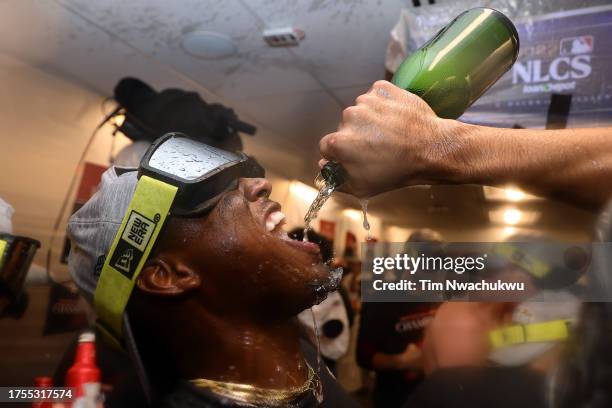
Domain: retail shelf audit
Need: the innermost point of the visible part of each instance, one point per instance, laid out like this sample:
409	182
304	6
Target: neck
239	350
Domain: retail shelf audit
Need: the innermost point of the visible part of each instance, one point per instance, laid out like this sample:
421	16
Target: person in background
496	353
16	269
459	334
333	316
389	342
150	114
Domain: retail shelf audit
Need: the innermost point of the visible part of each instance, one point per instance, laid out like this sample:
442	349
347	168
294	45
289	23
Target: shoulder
481	387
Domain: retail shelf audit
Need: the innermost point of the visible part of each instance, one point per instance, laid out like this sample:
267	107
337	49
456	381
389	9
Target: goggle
16	254
552	330
200	172
178	176
545	275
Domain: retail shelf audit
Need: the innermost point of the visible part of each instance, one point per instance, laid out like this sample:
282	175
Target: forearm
572	165
384	361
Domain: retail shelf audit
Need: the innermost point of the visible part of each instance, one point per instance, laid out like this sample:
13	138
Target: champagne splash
318	391
366	224
325	191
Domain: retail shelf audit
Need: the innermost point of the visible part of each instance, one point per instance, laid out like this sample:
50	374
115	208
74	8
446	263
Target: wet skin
218	296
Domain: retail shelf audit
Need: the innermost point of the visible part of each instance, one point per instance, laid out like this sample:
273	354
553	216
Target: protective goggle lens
201	172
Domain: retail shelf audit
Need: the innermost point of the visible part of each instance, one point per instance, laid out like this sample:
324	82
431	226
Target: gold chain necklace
252	395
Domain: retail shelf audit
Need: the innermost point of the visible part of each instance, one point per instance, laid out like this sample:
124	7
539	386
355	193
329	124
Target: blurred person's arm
370	339
391	138
409	359
456	337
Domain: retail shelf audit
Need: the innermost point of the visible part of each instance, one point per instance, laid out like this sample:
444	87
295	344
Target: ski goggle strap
513	253
137	234
552	330
3	245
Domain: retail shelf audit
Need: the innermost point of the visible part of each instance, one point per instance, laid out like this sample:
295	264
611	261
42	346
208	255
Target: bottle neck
334	174
86	353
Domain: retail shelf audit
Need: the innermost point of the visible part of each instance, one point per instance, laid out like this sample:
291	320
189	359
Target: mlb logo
576	45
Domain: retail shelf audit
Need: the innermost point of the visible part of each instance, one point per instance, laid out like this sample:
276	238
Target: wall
45	123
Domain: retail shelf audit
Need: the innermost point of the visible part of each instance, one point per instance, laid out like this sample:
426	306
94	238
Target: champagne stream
325	191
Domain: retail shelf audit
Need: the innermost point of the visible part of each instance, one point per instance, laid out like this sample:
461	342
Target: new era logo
138	231
133	243
124	262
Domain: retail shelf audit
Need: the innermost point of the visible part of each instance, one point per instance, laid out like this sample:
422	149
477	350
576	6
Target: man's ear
167	277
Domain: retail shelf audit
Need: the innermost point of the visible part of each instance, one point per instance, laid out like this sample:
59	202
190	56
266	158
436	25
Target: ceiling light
509	231
208	45
514	194
512	216
509	193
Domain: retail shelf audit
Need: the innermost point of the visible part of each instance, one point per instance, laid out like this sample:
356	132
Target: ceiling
294	95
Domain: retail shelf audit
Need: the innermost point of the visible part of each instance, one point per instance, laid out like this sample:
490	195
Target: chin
321	285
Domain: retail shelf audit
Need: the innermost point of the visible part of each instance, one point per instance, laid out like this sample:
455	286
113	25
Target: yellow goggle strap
3	245
514	254
529	333
139	229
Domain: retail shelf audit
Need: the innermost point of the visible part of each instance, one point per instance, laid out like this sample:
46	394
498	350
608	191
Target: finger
365	99
322	163
384	89
350	114
328	146
355	116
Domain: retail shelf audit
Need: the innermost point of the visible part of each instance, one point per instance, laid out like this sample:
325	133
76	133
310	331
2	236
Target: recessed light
513	216
208	45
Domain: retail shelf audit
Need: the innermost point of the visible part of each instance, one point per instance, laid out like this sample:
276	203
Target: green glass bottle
454	68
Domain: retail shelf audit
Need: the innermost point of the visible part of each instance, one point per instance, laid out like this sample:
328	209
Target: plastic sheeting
6	216
565	47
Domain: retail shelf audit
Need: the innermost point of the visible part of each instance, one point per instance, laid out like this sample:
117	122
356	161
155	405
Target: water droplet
366	224
318	392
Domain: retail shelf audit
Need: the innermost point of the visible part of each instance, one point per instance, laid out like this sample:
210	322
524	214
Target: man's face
245	259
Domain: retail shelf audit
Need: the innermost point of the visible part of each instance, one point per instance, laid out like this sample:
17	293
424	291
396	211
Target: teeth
274	219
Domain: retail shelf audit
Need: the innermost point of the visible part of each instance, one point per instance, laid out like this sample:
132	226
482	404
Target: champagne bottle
454	68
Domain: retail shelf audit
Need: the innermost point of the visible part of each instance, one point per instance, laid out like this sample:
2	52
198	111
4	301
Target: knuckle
350	113
328	143
381	84
362	99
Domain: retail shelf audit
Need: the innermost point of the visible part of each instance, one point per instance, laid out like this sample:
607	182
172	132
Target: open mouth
274	222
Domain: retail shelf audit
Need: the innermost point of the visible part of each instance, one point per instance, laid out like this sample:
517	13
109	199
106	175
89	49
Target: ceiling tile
345	41
156	28
300	119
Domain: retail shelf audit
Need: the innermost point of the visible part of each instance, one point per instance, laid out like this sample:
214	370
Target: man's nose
255	188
